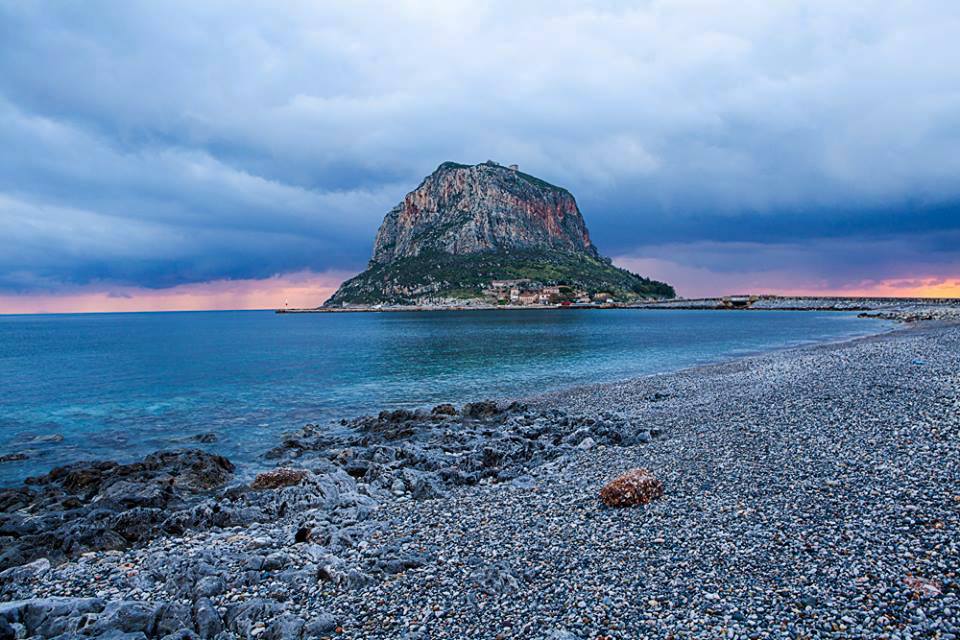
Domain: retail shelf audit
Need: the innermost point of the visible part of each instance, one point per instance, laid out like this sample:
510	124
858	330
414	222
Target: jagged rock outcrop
98	505
465	226
461	209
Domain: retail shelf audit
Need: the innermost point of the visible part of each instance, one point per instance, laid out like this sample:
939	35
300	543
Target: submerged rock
48	438
482	409
188	469
444	410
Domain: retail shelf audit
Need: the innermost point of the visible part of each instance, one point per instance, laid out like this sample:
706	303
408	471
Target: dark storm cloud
159	143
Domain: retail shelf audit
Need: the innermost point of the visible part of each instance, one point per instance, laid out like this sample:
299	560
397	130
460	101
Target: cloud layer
153	144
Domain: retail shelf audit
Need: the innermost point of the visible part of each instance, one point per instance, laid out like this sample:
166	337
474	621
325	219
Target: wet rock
635	487
444	410
105	505
129	494
482	409
397	415
278	478
190	469
186	469
388	425
13	457
48	438
15	499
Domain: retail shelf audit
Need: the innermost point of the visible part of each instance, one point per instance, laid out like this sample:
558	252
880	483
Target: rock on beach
635	487
277	478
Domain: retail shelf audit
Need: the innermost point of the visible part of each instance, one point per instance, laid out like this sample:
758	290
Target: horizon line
679	298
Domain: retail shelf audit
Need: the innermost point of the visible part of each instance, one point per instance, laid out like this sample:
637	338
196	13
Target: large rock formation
459	209
467	225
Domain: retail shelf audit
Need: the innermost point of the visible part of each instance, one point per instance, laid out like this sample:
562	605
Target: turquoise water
121	385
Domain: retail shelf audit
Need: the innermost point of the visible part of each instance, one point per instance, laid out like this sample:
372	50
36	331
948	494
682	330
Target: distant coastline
905	309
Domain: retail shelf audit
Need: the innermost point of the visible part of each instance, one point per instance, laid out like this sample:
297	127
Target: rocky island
470	230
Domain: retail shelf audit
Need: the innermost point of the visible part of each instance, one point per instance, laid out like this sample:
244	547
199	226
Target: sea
119	386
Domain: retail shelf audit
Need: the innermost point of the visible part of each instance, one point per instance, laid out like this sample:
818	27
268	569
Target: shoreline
247	468
905	309
706	367
519	545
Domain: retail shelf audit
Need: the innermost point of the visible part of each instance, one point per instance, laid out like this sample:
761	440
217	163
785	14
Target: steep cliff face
460	209
465	226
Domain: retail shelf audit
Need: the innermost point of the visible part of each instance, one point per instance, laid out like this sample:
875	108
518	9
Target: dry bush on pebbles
278	478
635	487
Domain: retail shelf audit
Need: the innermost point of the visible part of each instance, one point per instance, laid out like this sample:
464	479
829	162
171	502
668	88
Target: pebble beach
808	493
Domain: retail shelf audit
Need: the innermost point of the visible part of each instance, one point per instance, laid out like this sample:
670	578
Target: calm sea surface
121	385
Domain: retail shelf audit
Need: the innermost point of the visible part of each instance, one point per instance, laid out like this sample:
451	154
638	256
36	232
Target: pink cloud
925	287
699	282
301	289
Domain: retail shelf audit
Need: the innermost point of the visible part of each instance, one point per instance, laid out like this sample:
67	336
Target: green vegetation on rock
443	275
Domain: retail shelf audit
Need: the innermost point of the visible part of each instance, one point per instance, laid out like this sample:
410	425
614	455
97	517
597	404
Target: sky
205	154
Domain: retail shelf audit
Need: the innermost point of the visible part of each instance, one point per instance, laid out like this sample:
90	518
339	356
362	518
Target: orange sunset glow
307	289
303	289
894	288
